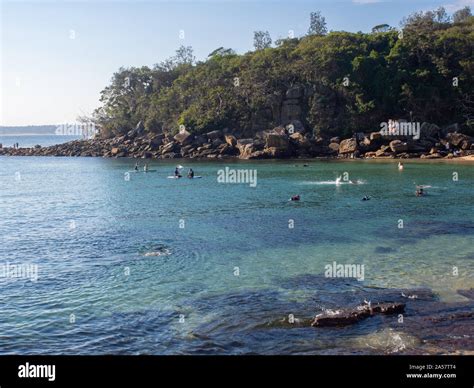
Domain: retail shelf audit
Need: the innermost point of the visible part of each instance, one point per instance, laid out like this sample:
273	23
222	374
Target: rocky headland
290	141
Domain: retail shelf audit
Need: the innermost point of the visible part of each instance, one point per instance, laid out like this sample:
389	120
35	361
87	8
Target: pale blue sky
57	56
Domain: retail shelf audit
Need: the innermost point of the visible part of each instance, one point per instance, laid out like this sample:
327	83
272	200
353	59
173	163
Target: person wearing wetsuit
191	173
176	173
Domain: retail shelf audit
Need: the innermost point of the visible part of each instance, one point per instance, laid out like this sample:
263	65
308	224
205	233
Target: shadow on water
417	229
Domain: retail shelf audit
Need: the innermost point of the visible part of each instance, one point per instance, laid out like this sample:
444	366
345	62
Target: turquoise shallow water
111	252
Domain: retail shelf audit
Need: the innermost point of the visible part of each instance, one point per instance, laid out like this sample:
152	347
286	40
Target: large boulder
157	140
200	139
231	140
275	152
183	137
450	128
169	147
246	150
277	141
375	136
429	130
419	145
257	155
278	130
300	140
295	126
398	146
334	147
348	146
214	135
245	147
459	140
383	151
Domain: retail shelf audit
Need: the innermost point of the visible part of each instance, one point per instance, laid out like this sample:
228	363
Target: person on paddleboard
145	167
136	166
191	173
176	173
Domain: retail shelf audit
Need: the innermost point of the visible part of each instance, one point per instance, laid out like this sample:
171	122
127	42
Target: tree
261	40
184	55
389	77
221	51
317	24
462	14
441	15
381	28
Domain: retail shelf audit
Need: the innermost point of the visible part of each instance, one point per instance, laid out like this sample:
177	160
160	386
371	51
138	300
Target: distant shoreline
27	134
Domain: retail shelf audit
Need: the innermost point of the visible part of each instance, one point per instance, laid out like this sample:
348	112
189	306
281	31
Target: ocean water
150	265
26	141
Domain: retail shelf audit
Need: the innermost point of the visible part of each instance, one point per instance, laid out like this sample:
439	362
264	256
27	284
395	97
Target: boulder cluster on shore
291	141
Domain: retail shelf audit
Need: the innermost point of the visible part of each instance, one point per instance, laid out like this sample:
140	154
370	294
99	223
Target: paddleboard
174	177
141	171
196	177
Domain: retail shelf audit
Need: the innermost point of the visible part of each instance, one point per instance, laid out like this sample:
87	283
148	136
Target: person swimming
295	198
419	192
366	198
400	165
190	173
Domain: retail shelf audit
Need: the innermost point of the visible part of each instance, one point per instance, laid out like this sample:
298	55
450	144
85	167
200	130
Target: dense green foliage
350	82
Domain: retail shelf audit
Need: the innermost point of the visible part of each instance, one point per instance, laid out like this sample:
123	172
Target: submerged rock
345	317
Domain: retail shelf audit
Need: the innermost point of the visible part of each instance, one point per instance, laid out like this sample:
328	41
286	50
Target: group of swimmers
420	192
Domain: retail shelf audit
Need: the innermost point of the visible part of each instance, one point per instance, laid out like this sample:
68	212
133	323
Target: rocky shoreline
291	141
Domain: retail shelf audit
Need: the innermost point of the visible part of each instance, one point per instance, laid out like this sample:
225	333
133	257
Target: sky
56	56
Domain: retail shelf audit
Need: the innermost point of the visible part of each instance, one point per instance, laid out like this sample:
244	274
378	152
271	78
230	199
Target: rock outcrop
345	317
291	140
348	146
